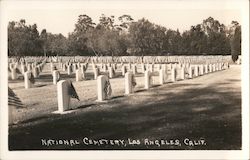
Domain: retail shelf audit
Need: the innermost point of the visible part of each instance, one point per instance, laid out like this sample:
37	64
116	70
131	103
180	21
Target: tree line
123	37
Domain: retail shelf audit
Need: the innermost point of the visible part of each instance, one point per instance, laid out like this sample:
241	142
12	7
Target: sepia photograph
125	76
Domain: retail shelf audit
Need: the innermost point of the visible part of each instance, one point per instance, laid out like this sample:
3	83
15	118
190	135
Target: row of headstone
64	95
131	59
104	87
194	70
33	67
71	67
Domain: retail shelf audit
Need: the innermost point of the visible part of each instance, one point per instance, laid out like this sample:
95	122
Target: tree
44	41
106	22
22	39
126	37
125	21
105	38
84	23
140	34
198	40
57	44
77	41
217	42
235	40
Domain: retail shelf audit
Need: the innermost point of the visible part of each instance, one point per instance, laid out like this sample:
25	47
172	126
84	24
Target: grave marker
182	73
78	75
111	72
173	74
96	72
13	74
147	78
190	72
103	88
69	69
206	68
124	70
196	71
128	83
28	78
201	69
161	76
56	76
134	69
63	97
142	67
36	72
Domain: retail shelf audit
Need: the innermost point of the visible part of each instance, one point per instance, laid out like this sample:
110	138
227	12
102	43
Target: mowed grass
206	107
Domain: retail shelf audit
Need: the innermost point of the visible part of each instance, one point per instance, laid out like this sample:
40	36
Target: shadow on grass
196	113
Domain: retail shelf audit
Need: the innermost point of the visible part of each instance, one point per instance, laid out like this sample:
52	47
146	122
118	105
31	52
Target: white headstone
23	68
61	65
96	72
40	66
56	76
93	66
173	74
134	69
201	69
190	72
142	67
105	68
179	65
158	66
101	95
161	76
128	83
196	71
27	83
74	67
165	68
64	67
129	66
151	68
51	67
78	65
182	73
69	69
210	68
13	74
29	67
35	72
220	66
214	68
78	75
206	68
124	70
63	97
111	72
147	78
82	68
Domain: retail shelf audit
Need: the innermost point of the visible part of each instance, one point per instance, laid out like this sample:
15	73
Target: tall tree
44	41
235	40
217	39
78	40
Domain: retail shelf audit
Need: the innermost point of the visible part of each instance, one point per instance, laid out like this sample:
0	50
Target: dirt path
206	108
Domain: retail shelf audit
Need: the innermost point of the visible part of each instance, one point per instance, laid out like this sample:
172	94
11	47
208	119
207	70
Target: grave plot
133	94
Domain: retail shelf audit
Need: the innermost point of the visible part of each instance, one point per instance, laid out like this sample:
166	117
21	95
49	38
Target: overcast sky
60	16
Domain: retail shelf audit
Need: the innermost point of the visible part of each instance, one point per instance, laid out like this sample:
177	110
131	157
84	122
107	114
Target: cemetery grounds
205	108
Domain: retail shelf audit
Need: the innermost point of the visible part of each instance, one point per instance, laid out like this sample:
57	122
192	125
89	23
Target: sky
61	16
